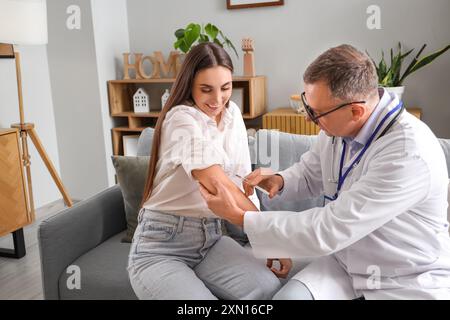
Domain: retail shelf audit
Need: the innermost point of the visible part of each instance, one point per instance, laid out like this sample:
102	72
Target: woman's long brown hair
202	56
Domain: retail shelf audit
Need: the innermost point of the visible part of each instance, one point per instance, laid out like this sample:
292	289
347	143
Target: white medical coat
386	235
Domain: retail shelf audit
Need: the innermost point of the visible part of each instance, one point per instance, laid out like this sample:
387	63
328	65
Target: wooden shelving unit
130	123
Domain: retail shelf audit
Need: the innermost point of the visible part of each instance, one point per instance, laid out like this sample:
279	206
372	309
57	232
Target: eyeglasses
313	117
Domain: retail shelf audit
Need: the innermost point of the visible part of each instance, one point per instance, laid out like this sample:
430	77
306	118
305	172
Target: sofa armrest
76	230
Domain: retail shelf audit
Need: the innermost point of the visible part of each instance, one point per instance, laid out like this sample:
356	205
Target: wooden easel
27	129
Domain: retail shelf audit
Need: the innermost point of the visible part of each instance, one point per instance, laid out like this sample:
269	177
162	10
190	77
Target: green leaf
211	30
392	57
428	59
382	67
181	44
176	44
413	62
388	80
203	38
195	32
229	43
217	41
396	66
406	54
184	47
191	34
179	33
395	70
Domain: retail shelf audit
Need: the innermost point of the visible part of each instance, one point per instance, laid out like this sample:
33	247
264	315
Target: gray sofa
88	235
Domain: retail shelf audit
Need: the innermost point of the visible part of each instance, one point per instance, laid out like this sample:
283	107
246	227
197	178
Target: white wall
81	61
38	109
76	99
287	38
110	23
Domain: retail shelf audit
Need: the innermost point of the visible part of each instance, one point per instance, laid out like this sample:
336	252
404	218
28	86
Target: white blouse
191	140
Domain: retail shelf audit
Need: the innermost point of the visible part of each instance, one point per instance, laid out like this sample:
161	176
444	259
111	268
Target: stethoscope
342	177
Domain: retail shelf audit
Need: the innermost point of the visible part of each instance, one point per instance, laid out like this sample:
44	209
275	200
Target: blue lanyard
360	155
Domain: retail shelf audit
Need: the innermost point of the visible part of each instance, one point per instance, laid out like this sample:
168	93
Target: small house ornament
141	101
164	98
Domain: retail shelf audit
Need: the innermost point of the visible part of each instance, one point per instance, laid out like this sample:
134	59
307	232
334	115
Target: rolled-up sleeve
189	146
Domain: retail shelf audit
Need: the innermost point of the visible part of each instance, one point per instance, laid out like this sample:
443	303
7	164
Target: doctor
383	232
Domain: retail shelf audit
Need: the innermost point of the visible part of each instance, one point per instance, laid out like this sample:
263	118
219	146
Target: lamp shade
23	22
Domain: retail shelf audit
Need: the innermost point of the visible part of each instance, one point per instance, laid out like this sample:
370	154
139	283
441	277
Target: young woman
178	250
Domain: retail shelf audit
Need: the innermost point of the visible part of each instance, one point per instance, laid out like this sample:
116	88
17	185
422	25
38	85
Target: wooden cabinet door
13	204
288	120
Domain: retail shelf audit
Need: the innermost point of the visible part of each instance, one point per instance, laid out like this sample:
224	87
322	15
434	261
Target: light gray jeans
175	257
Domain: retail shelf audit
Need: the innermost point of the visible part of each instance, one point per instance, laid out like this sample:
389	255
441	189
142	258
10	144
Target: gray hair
349	73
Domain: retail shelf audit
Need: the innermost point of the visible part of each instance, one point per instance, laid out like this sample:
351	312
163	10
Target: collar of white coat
388	101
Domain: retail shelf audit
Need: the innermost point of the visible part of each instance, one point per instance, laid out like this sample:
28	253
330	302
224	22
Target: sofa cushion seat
103	273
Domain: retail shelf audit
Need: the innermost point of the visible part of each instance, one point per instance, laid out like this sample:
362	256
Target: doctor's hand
285	267
222	203
264	178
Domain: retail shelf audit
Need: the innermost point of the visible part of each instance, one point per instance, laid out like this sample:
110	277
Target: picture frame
242	4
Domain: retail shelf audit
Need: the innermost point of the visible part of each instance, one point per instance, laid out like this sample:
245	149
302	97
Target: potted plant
391	78
195	33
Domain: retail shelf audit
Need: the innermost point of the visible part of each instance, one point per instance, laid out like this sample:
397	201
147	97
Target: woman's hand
285	267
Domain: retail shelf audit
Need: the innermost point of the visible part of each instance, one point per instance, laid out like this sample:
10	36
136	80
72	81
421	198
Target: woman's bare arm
205	176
